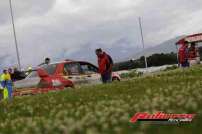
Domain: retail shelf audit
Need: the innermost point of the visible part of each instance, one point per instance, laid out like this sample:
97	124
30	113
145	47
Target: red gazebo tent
195	38
191	38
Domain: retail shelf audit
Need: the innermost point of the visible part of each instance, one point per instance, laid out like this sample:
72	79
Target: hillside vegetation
108	108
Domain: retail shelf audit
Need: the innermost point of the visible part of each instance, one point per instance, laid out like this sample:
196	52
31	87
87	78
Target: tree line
153	60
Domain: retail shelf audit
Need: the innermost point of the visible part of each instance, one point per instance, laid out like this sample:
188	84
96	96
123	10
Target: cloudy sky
74	28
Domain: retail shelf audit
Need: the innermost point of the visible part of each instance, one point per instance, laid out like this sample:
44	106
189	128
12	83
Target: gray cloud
62	28
24	8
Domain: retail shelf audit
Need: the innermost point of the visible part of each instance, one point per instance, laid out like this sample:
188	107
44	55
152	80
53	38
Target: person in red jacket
183	55
105	64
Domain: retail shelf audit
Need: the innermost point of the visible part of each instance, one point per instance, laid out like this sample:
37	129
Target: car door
90	73
72	72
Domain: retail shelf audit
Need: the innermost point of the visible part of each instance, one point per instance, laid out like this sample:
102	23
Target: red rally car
57	76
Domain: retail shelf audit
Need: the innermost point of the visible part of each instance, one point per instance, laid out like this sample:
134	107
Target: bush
131	74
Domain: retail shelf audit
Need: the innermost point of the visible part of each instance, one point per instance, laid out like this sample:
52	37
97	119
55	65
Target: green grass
108	108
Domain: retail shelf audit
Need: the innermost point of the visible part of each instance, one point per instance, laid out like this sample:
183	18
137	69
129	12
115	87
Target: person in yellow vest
6	83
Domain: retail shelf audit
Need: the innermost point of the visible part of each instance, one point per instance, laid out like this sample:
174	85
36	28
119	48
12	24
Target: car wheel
115	79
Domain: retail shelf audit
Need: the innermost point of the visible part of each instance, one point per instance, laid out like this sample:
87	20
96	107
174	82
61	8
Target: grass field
108	108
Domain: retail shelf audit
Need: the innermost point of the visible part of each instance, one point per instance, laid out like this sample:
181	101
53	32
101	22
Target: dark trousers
106	77
185	63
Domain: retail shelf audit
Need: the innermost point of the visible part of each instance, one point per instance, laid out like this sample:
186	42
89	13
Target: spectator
46	62
183	55
17	75
105	64
11	72
6	83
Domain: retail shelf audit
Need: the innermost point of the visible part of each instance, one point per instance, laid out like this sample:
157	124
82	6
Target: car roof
68	61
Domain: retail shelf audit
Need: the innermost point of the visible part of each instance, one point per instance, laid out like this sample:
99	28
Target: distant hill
165	47
121	50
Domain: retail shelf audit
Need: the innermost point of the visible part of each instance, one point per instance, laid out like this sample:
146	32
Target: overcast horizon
62	29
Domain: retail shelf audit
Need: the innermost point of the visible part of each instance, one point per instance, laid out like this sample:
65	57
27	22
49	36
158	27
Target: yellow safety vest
5	77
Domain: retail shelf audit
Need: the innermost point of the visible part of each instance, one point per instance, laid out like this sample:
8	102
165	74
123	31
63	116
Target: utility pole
143	45
14	34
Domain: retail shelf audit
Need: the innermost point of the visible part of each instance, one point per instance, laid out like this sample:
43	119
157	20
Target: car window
72	69
93	68
88	68
50	69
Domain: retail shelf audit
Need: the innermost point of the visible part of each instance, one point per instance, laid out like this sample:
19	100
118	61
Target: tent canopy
190	39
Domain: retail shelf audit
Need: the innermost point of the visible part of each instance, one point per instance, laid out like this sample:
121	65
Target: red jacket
103	61
183	54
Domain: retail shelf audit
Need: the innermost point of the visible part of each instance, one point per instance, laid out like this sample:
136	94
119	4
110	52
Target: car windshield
50	69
